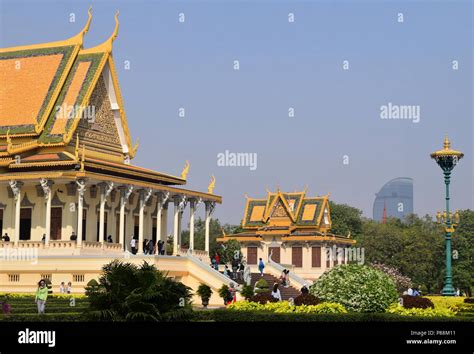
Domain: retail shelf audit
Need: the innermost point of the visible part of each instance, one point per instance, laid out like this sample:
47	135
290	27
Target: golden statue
210	187
184	174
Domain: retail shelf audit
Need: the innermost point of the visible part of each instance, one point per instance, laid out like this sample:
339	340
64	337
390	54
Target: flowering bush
401	281
398	309
286	307
358	288
419	302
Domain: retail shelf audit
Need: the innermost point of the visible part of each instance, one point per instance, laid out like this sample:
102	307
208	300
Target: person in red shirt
218	259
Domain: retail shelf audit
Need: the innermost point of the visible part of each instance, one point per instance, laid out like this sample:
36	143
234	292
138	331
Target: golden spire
212	184
447	144
447	151
185	171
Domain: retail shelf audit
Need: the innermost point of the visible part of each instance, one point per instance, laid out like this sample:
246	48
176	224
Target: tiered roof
44	119
293	216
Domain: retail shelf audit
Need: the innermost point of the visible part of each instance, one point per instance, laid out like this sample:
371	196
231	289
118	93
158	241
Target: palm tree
126	292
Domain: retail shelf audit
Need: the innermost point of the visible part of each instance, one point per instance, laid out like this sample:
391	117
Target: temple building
291	230
66	178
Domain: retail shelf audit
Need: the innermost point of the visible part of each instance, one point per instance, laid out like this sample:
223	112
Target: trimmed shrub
261	286
358	288
223	315
397	309
469	300
445	302
263	298
247	292
286	307
306	299
417	302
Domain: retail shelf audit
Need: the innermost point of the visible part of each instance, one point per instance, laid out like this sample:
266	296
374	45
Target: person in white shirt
69	288
133	245
410	292
276	292
62	289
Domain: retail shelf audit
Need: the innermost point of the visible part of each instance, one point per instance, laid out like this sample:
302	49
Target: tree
345	219
126	292
414	247
463	253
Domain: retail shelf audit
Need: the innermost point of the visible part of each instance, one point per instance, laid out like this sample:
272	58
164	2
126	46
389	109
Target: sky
335	64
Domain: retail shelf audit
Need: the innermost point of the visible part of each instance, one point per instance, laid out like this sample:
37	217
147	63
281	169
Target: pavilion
291	230
65	165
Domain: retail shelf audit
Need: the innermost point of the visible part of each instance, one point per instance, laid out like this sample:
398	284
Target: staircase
286	293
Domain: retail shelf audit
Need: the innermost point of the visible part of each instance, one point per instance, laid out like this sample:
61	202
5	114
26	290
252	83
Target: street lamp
447	159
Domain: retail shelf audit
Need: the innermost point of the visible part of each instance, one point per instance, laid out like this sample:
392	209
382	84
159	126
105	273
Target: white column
209	210
105	190
175	226
16	189
192	210
144	196
162	199
164	222
46	185
81	189
124	195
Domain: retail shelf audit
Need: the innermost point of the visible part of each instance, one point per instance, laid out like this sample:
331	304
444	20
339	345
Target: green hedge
48	317
223	315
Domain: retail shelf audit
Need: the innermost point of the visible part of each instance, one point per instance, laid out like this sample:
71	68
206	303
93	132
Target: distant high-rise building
394	200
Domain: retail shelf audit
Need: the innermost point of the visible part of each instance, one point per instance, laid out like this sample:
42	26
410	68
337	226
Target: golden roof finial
447	144
135	148
88	23
109	41
9	140
185	171
211	186
78	38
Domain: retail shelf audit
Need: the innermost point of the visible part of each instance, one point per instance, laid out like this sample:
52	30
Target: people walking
62	288
261	266
133	245
41	296
69	288
151	246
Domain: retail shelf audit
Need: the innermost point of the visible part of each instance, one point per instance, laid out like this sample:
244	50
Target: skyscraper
394	200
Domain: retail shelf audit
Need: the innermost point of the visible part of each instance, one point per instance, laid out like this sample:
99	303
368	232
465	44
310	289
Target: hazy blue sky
283	65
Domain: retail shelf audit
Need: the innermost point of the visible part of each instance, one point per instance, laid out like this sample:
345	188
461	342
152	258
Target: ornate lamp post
447	159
